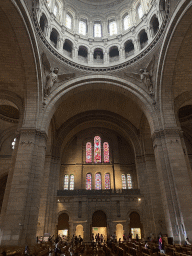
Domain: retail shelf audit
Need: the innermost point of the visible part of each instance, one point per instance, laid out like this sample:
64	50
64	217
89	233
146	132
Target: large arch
101	82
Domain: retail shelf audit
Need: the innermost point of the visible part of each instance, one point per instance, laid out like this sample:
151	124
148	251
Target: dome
100	34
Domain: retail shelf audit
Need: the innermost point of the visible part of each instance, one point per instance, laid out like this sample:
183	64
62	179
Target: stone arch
29	55
126	88
99	219
180	21
63	223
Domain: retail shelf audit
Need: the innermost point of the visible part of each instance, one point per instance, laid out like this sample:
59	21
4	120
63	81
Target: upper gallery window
126	183
101	154
127	22
82	27
112	28
66	182
69	182
68	21
97	149
49	3
88	152
98	181
97	30
56	9
107	181
13	143
88	181
140	11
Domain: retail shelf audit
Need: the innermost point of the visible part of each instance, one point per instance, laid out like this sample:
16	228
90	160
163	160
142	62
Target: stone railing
94	192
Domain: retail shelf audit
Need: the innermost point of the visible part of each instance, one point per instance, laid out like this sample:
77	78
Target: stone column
144	189
137	46
51	217
21	207
44	198
175	183
90	29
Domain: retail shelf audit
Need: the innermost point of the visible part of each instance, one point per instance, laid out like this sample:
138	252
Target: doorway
63	224
99	224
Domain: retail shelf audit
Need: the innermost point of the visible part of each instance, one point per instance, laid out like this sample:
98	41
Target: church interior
95	119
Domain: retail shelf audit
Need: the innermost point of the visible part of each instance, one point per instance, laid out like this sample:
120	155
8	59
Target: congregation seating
108	249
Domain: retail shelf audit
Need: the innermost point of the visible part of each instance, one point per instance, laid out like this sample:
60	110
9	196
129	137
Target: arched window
88	152
56	9
49	3
68	21
112	28
13	143
88	181
123	179
97	30
106	152
97	181
107	181
71	182
66	182
140	11
129	181
97	149
82	27
127	22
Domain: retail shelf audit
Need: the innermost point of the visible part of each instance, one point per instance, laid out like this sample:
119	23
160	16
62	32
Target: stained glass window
13	143
66	182
68	21
129	181
140	11
82	27
88	152
112	28
71	184
123	181
88	181
107	181
97	149
97	30
97	181
106	152
127	22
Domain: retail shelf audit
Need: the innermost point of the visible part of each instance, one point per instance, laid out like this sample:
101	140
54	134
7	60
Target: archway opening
99	224
143	38
154	25
54	37
43	23
67	47
79	231
129	48
135	225
63	224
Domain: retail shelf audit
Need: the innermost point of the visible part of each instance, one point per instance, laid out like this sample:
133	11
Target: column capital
166	132
33	131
